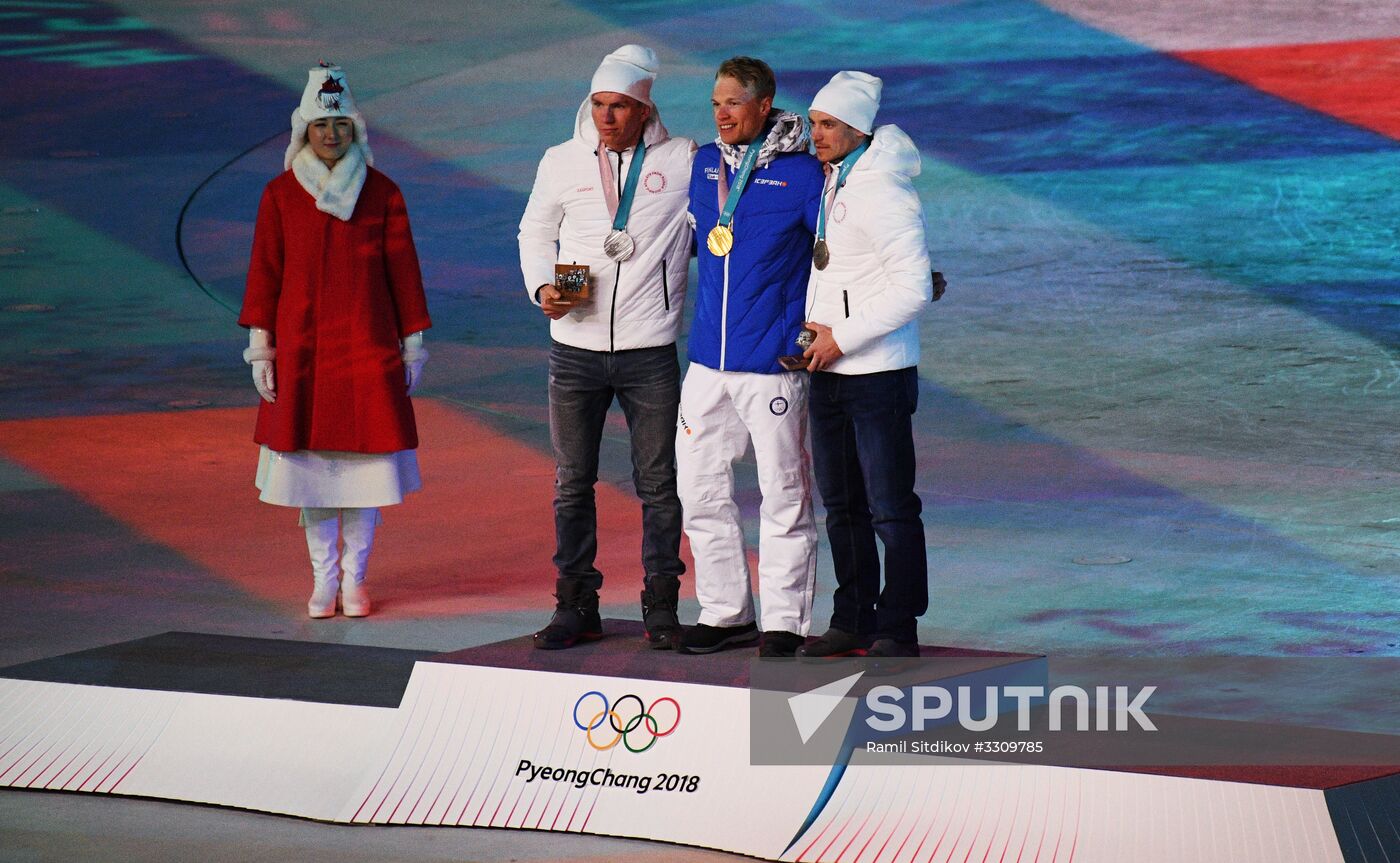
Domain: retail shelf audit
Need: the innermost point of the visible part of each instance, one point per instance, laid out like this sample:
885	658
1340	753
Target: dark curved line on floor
180	222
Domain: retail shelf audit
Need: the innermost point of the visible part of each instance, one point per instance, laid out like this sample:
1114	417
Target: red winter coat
337	297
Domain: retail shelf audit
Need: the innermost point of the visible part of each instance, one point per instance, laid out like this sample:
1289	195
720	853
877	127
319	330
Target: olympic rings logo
623	722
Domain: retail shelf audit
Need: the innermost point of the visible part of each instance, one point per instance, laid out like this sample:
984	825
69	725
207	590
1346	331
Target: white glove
264	380
259	355
414	356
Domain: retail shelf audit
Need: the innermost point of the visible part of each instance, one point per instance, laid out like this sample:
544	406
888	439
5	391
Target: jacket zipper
724	305
724	313
665	290
846	301
612	317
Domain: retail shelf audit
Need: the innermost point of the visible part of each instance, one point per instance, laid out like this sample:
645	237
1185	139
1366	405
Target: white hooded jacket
636	303
878	279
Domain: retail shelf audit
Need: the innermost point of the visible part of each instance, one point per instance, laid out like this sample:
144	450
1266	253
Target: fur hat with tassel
326	95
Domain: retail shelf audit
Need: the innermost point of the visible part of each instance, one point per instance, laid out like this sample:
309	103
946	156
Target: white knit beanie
326	95
629	70
851	97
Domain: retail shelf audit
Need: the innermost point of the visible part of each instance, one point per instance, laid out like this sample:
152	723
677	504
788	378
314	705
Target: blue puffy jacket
749	305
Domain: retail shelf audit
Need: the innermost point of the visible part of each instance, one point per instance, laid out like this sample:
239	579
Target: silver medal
619	245
821	255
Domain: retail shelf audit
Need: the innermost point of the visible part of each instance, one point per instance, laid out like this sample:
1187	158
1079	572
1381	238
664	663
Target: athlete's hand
549	302
824	350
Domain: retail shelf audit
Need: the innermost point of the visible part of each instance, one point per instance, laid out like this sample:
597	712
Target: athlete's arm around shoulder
815	179
677	161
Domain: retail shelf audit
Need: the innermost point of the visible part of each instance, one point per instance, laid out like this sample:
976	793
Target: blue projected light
792	36
1097	112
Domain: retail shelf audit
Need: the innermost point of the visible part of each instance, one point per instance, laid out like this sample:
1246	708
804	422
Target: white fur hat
326	95
851	97
629	70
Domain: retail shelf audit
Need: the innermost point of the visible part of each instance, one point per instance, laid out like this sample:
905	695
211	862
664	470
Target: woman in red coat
336	312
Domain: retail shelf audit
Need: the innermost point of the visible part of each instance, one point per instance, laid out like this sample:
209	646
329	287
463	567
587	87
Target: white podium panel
667	761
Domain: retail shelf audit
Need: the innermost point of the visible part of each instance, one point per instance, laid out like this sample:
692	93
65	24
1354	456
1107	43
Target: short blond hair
755	75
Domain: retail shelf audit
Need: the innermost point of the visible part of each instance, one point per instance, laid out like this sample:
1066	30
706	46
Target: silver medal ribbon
619	245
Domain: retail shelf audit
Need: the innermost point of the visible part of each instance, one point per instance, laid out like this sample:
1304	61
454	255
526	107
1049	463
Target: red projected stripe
1352	81
479	537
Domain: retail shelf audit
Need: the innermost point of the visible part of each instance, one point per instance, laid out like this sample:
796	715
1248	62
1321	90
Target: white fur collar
335	190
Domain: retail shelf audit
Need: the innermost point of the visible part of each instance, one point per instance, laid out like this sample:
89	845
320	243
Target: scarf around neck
337	189
788	135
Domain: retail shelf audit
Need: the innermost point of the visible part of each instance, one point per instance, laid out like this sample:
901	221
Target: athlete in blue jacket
753	196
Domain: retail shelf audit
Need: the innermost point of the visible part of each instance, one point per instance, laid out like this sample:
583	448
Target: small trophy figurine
572	281
796	361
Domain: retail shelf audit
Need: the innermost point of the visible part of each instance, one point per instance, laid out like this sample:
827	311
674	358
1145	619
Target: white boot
358	532
322	531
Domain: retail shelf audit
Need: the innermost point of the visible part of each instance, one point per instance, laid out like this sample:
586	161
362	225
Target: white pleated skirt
316	479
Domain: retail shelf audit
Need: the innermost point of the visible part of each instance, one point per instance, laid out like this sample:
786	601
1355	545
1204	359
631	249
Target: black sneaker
575	617
833	643
888	647
778	643
659	598
702	638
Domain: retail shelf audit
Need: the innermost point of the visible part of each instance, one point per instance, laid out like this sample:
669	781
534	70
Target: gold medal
720	240
821	255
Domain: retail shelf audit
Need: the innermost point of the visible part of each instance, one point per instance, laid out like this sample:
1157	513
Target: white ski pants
721	413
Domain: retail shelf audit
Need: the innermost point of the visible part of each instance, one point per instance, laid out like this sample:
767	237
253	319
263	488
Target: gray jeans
582	385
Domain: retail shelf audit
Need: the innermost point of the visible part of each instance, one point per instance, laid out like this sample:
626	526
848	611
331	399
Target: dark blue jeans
582	385
863	453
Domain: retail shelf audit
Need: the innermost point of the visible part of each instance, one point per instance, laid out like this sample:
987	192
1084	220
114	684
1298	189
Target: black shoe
701	638
833	643
888	647
575	617
659	599
778	644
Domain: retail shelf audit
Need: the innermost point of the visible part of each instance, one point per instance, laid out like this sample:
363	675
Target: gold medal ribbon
721	238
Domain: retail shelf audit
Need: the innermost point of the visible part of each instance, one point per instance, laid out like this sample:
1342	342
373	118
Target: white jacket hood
654	132
890	150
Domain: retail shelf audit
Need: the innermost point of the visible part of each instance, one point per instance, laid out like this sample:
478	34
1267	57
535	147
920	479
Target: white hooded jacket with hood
878	280
636	303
